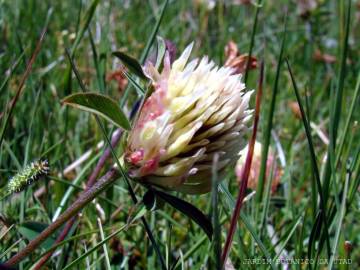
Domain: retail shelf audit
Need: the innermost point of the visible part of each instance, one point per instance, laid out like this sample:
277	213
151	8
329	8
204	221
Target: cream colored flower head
197	109
255	167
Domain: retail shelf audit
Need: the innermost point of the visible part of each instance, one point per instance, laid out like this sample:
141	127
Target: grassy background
41	127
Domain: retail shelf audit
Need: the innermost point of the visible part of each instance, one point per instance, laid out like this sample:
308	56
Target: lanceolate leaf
131	63
100	105
189	210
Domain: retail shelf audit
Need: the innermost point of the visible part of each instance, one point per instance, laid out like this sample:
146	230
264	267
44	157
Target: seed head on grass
197	110
28	175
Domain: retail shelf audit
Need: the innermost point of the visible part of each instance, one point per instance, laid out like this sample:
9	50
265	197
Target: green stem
348	119
269	121
258	7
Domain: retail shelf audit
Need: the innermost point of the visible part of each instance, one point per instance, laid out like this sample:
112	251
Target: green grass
311	214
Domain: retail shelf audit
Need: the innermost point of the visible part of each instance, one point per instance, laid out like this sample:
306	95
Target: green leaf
258	6
84	24
316	230
188	209
31	230
339	226
138	88
131	63
161	48
270	120
315	169
99	105
154	32
151	201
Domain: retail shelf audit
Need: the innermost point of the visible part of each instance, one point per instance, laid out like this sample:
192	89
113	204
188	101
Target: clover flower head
196	110
271	169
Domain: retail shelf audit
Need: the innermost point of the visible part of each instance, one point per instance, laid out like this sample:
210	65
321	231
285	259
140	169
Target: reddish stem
245	172
87	196
90	182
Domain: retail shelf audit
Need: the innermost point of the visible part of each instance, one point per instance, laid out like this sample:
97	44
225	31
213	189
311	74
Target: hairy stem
90	182
87	196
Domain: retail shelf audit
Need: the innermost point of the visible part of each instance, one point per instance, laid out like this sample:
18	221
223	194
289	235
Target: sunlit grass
309	117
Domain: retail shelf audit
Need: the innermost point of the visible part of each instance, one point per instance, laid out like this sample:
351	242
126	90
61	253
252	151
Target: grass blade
11	70
71	188
338	102
153	33
149	43
339	225
312	158
252	39
25	76
348	119
106	254
248	225
289	235
84	24
215	213
138	88
269	122
342	73
245	172
102	242
103	183
122	172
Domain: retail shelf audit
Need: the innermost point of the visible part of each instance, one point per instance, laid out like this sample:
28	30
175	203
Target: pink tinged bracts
197	109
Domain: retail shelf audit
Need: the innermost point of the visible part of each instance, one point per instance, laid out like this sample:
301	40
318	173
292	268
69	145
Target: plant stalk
90	182
87	196
245	173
